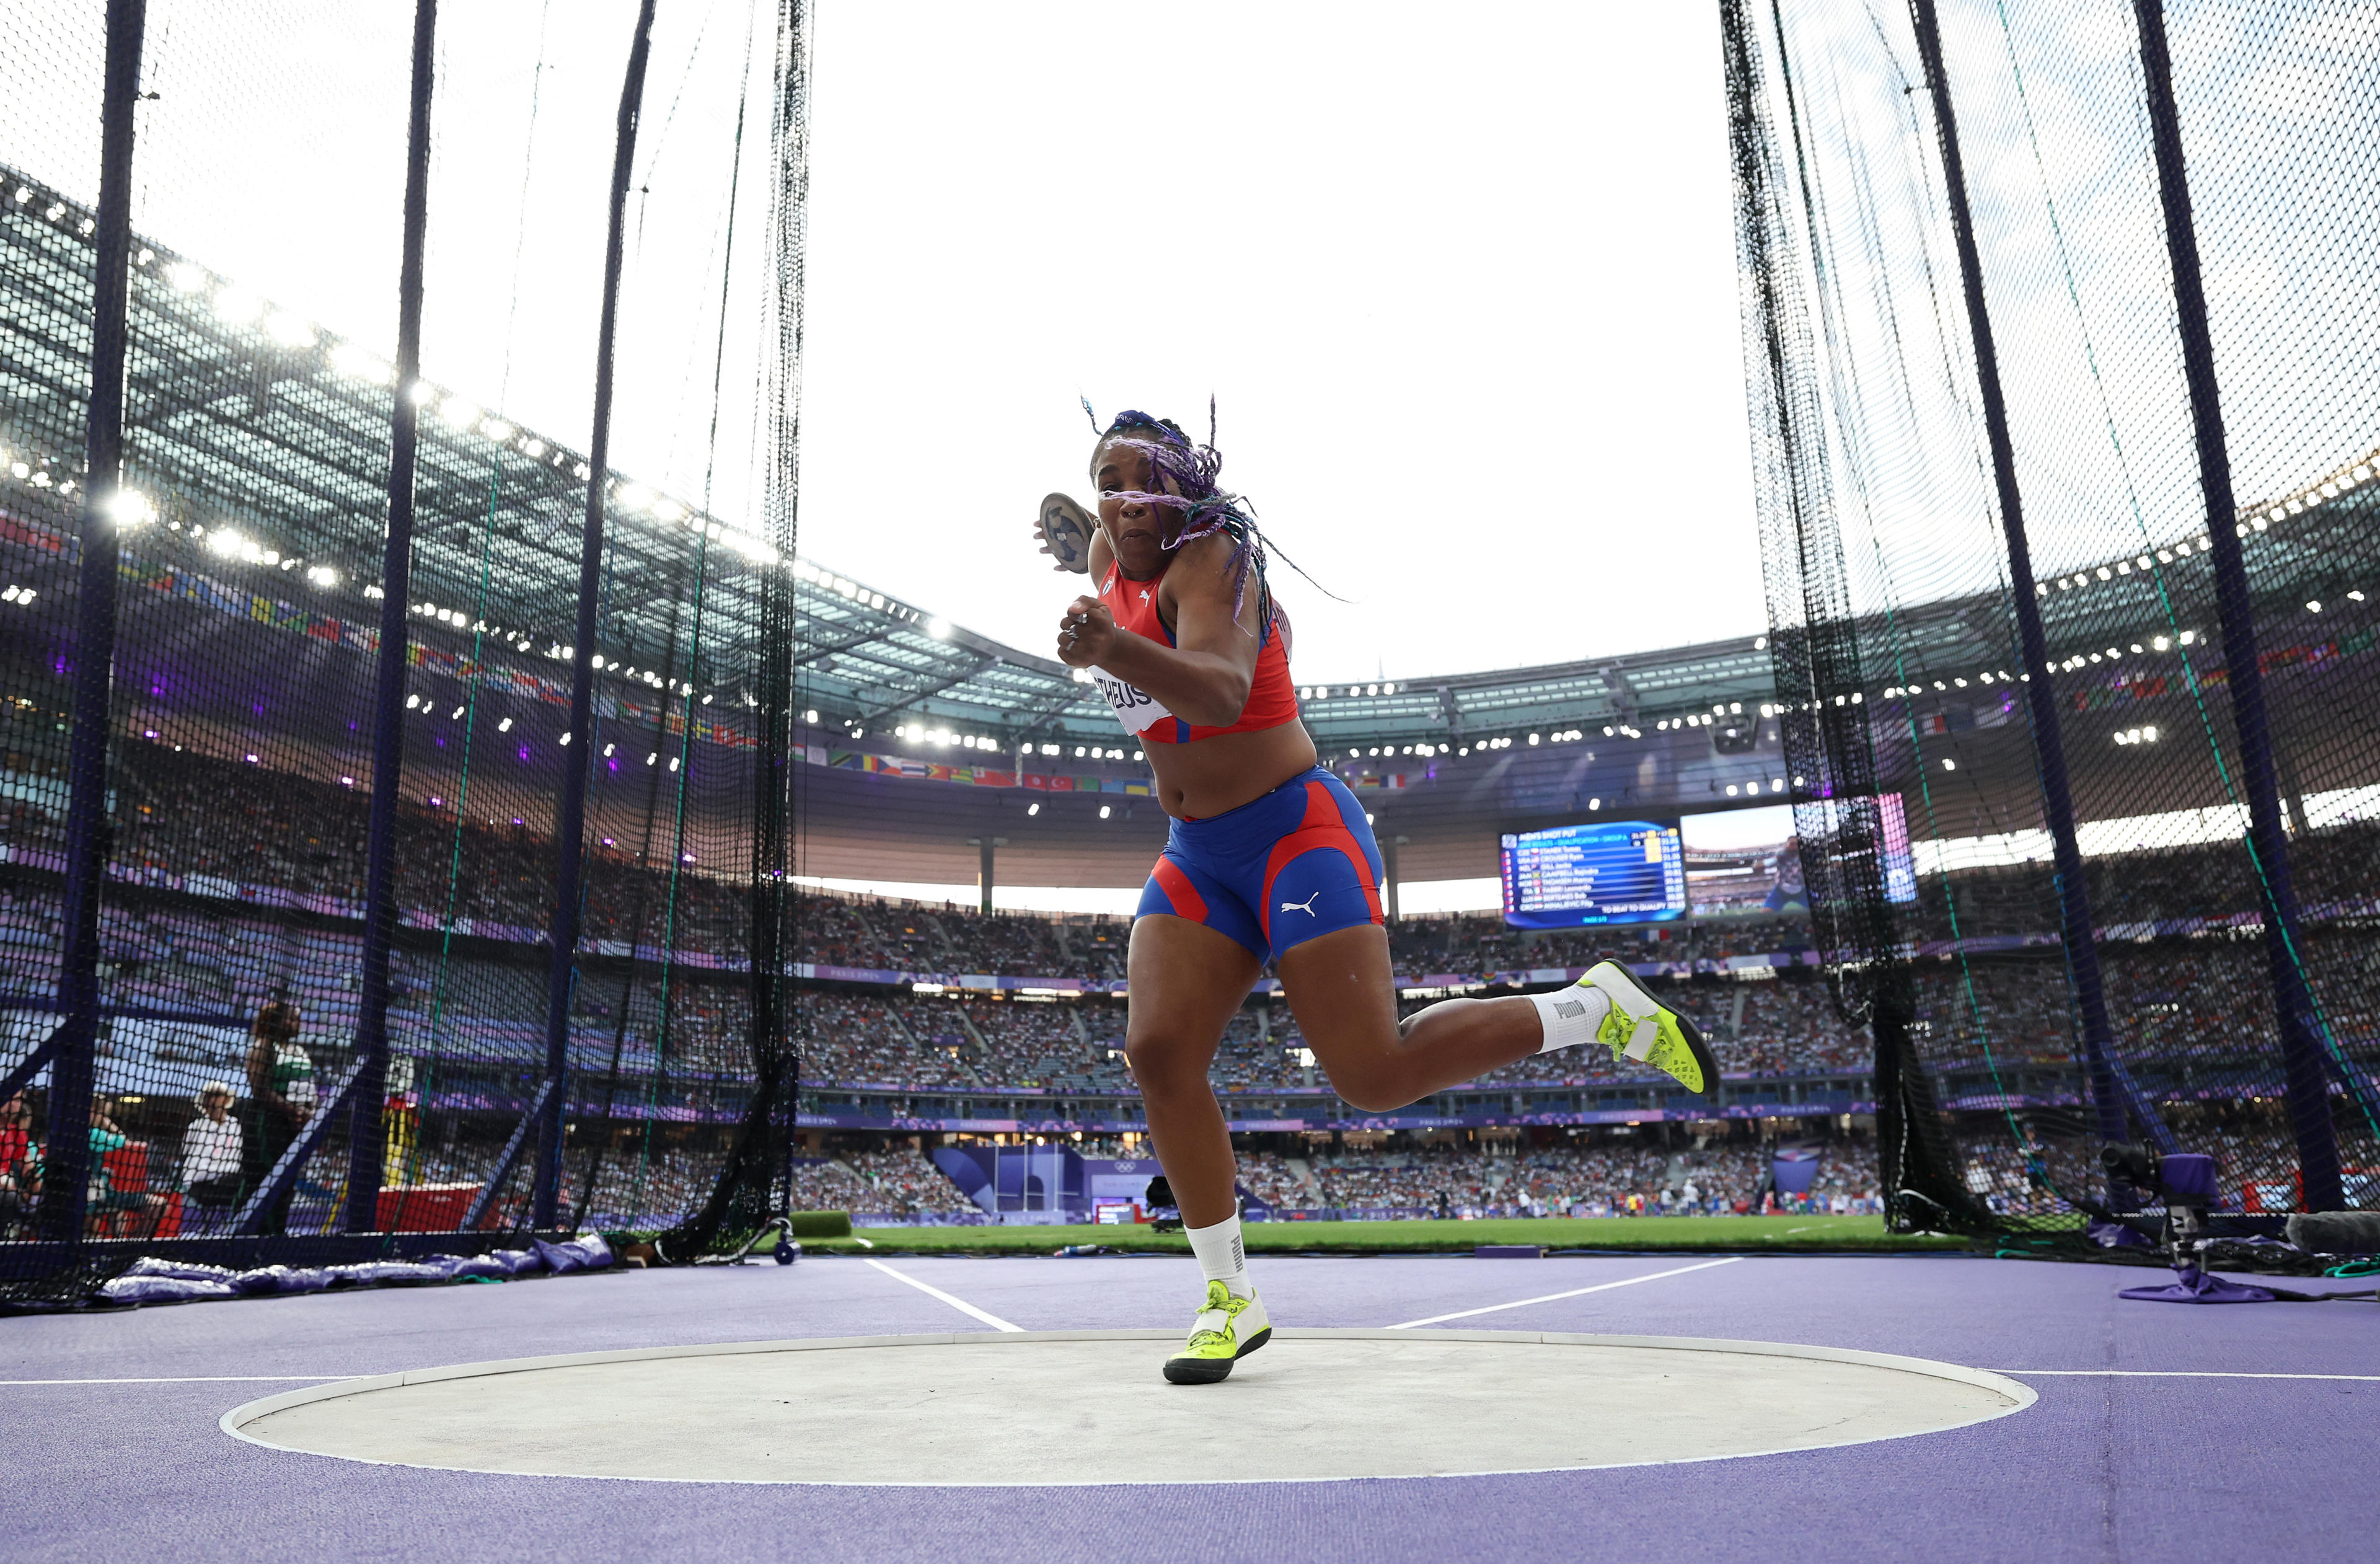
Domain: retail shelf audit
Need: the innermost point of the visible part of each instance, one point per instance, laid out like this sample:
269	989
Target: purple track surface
2103	1467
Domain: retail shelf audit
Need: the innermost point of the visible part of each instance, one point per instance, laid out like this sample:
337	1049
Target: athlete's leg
1343	994
1321	908
1187	981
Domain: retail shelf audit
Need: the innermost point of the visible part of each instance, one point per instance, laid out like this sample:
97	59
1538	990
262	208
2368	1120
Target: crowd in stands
1274	1180
2199	1014
860	1038
1610	1178
902	1181
238	822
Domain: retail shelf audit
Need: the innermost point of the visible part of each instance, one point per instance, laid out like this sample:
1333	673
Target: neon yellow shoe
1228	1328
1641	1028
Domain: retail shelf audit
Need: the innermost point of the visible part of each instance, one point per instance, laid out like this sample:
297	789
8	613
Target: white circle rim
236	1422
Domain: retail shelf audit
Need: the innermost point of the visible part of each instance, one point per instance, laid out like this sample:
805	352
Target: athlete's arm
1204	678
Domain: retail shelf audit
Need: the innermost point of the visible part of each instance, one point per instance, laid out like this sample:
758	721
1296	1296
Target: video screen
1610	871
1747	863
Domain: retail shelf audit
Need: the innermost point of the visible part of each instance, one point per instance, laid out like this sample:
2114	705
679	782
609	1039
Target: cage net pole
2302	1043
756	1181
2074	903
88	829
570	830
1813	643
368	1088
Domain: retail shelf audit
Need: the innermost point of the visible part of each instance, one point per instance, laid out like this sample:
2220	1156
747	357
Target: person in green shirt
281	1086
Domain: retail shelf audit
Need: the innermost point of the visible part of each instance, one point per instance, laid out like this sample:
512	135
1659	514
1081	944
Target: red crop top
1272	699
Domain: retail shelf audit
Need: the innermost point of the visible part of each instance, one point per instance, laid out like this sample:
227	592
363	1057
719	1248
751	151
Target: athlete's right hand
1086	632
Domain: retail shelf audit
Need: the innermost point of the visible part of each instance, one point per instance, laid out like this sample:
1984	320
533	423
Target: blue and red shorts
1275	872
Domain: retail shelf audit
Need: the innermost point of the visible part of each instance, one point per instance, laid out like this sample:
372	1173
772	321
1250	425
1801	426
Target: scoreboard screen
1615	871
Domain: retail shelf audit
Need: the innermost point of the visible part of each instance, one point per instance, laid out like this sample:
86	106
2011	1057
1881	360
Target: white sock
1222	1255
1569	1015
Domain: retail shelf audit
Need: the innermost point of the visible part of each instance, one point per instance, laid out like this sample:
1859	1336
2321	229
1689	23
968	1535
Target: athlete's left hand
1085	633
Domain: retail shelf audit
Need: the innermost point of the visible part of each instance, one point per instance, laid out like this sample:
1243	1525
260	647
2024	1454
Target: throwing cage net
2064	442
398	692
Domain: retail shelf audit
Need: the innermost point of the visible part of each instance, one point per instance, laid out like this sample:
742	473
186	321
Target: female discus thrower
1269	858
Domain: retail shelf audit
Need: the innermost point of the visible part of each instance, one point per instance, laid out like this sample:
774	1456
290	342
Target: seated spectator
110	1212
212	1158
19	1166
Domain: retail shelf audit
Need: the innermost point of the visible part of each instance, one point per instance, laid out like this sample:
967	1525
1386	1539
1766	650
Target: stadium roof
278	433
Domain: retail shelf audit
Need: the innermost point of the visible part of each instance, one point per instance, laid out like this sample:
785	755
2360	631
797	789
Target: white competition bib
1135	708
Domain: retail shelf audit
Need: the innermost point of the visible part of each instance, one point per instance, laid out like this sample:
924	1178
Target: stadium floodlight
422	394
130	508
2313	605
533	449
1104	811
1034	808
497	429
1948	764
938	628
185	277
238	306
505	726
811	716
1593	805
290	331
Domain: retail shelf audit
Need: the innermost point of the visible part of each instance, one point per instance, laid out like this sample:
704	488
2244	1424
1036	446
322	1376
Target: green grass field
1810	1234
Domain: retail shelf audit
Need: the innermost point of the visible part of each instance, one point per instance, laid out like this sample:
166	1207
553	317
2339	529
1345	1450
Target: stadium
520	868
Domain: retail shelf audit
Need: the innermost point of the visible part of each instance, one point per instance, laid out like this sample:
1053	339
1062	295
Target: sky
1462	289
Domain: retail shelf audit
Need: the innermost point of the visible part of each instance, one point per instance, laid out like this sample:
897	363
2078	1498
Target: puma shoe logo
1306	906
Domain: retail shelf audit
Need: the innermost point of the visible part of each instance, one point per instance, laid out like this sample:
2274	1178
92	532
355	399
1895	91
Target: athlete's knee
1375	1083
1164	1064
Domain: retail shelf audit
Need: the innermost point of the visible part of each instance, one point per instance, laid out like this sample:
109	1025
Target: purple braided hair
1187	474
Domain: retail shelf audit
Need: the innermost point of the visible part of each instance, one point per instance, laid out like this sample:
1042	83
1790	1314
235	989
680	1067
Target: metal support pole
983	873
360	1212
2041	700
71	1070
2302	1043
570	830
1389	863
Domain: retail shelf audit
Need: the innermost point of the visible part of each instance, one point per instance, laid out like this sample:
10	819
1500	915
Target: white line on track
2174	1374
1573	1293
961	1305
190	1379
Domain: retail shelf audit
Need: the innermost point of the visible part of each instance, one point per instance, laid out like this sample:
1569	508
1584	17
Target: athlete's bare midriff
1201	780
